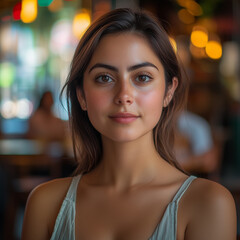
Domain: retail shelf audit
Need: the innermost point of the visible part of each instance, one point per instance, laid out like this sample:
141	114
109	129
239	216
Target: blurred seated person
194	145
43	124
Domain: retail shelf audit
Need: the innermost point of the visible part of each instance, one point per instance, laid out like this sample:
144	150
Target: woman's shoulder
211	210
54	189
43	205
207	192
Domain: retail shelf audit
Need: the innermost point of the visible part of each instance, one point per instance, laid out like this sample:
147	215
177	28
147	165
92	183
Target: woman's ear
81	99
170	92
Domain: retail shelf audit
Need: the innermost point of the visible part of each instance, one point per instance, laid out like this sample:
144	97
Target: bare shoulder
213	211
42	208
209	191
51	191
212	195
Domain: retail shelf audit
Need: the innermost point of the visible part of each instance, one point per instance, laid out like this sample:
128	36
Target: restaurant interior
37	42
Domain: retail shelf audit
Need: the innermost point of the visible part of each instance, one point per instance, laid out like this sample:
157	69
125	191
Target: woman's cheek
96	100
153	103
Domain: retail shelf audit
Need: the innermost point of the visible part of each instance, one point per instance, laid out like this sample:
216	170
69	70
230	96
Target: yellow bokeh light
199	37
214	49
185	16
29	11
81	22
194	8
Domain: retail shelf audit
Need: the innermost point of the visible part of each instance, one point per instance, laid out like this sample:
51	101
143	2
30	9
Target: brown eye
104	79
143	78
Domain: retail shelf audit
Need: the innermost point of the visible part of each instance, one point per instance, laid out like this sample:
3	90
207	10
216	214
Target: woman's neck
128	164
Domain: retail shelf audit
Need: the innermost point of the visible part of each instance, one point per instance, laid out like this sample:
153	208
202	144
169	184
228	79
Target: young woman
124	91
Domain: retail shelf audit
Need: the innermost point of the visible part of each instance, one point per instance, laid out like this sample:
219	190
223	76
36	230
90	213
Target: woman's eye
143	78
104	79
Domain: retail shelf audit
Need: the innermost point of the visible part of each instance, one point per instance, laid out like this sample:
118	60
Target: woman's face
124	88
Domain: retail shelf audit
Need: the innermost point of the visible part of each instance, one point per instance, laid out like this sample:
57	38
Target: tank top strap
183	188
71	194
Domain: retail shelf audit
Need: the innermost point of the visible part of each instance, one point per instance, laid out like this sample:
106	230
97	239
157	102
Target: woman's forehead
127	48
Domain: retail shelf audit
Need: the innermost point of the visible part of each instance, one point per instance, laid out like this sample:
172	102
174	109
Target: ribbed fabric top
64	228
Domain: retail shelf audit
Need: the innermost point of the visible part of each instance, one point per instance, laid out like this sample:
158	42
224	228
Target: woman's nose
124	94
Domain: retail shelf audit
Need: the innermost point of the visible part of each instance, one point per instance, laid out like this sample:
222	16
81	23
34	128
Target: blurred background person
195	148
43	124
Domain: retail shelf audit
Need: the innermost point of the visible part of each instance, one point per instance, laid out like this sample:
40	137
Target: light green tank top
64	228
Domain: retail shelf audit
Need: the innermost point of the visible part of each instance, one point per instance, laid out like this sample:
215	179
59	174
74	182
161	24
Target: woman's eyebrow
140	65
129	69
102	65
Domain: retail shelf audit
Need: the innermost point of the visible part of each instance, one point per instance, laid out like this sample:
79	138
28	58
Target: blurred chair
24	173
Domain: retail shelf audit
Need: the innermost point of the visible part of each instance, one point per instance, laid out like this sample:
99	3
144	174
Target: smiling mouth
124	117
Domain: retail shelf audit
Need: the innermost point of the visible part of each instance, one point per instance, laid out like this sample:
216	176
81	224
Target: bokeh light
81	22
7	74
17	11
194	8
8	109
44	3
24	108
21	108
29	11
214	49
199	36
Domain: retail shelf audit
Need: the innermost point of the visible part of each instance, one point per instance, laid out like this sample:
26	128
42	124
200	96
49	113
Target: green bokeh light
44	3
7	74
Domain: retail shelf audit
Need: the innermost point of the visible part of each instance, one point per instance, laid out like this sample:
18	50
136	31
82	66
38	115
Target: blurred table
20	147
29	152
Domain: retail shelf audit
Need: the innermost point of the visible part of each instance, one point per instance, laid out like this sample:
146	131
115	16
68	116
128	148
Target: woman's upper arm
214	216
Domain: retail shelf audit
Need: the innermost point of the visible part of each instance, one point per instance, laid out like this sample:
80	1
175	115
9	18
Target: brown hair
86	140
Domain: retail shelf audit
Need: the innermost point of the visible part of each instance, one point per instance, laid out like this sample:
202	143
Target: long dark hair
86	140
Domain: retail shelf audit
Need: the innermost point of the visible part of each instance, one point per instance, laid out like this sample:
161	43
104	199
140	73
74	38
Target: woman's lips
124	117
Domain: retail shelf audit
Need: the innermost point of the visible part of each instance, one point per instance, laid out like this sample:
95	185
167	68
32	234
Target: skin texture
126	195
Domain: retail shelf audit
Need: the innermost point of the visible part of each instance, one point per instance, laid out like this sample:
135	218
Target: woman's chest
120	219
